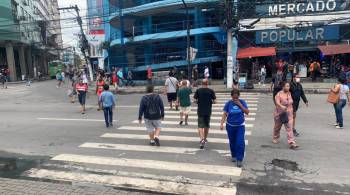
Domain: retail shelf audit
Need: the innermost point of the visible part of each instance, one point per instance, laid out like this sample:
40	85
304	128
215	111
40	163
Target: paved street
53	142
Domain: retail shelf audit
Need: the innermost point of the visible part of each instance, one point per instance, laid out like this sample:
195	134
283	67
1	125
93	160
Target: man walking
204	97
170	89
314	68
184	101
152	108
297	92
108	103
194	76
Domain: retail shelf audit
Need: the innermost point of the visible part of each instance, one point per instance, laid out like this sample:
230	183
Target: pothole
286	164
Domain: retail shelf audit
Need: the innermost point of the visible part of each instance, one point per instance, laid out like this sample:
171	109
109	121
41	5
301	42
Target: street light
188	40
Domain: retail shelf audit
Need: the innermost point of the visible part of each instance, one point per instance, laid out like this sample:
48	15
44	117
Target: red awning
251	52
334	49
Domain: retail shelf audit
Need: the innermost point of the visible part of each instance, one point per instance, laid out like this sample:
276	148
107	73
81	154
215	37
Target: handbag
333	97
283	118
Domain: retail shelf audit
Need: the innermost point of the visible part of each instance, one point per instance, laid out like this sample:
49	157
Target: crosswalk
179	167
17	90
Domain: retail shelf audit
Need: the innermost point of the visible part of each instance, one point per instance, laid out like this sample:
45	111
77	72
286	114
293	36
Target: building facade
31	36
153	33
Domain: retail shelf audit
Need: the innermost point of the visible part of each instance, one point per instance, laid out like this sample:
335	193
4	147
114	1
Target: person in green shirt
184	101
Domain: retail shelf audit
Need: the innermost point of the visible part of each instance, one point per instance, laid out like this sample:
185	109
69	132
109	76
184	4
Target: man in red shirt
81	89
149	75
99	89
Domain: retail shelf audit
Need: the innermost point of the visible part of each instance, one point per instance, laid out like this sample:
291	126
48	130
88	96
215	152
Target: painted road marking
151	164
135	183
191	123
245	98
168	129
196	117
72	119
195	113
213	108
248	101
143	148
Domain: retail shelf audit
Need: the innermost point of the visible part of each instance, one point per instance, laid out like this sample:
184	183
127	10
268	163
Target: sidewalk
310	88
20	187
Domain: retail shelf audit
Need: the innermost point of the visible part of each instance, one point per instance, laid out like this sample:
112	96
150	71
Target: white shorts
185	110
151	125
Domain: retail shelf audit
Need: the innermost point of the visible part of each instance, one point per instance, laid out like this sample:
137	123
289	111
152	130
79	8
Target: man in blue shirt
234	112
108	102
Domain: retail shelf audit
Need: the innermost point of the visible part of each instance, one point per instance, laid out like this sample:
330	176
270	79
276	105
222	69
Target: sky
69	25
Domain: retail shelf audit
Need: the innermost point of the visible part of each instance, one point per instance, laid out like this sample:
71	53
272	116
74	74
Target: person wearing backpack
152	109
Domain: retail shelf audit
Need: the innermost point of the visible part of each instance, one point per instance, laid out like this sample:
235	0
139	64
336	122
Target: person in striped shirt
81	89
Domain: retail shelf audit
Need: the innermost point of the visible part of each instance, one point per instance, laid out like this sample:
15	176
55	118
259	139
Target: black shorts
204	121
295	106
82	97
171	97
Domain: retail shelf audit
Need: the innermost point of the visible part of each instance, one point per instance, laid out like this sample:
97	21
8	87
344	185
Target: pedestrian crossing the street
178	166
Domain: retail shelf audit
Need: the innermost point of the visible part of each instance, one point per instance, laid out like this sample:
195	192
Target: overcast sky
70	27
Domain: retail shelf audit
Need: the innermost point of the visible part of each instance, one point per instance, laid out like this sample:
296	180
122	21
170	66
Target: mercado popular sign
301	8
295	35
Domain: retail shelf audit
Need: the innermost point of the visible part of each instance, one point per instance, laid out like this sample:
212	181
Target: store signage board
302	8
296	35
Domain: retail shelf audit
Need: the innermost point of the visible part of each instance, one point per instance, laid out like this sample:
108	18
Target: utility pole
229	26
84	42
188	41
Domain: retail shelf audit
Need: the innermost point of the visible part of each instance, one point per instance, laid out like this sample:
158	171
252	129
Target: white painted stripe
196	117
142	148
195	113
132	182
191	123
164	138
245	98
248	101
214	108
168	129
222	105
151	164
72	119
242	93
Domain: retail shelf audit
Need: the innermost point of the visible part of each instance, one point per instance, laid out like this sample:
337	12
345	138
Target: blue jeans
108	112
237	142
339	111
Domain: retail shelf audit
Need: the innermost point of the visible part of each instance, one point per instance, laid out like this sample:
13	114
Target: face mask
297	80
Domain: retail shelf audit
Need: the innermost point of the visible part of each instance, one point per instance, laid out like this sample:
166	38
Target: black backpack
153	108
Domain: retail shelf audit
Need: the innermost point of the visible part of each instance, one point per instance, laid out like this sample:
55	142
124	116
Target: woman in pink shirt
283	115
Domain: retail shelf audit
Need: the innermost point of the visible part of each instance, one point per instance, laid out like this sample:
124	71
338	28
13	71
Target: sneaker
336	124
152	143
181	122
156	140
107	125
234	159
339	127
201	145
239	164
295	132
205	140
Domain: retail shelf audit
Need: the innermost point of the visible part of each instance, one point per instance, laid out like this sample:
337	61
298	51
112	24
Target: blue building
152	33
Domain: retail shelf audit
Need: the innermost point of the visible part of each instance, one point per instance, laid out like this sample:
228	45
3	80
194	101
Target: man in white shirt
170	90
206	72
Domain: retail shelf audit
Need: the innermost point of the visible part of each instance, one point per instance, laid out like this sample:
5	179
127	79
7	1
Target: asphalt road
49	139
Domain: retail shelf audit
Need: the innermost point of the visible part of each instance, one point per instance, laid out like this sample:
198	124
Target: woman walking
283	115
234	112
82	89
344	94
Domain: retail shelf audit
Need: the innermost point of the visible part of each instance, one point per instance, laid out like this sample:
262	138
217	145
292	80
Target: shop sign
295	35
301	8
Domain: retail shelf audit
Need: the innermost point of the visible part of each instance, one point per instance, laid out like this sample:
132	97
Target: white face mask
297	80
